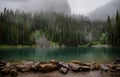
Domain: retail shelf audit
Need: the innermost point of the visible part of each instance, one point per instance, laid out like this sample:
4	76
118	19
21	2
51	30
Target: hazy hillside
108	9
58	6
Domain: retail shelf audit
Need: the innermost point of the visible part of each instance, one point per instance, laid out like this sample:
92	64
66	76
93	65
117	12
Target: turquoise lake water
84	54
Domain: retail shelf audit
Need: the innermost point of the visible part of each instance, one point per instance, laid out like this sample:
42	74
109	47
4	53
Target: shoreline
62	68
17	46
34	46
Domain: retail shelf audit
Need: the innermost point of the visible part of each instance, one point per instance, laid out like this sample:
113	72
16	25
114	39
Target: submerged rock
117	61
75	62
53	62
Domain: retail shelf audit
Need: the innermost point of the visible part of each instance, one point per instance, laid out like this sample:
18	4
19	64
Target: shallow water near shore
84	54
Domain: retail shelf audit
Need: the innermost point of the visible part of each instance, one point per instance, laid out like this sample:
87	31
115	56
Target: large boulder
111	66
24	66
62	64
35	66
74	67
45	68
2	64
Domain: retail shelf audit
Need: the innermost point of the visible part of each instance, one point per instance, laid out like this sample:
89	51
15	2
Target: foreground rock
112	67
45	68
74	67
7	68
24	66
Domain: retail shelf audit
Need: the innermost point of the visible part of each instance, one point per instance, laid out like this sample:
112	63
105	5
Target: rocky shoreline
13	69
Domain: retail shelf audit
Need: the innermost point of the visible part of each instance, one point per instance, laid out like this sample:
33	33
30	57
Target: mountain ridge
102	12
61	6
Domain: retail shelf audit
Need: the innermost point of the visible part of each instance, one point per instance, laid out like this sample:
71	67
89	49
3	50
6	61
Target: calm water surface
100	55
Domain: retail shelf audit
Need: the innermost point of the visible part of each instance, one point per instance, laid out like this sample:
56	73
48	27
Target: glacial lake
84	54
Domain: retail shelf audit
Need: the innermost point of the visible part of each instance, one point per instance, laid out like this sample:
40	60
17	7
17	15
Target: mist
75	6
86	6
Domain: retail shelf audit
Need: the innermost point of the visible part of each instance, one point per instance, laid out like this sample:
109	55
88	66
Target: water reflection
100	55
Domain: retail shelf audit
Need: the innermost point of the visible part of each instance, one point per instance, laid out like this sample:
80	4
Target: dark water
99	55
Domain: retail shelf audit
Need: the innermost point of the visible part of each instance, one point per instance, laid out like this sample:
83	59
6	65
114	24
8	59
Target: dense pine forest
20	28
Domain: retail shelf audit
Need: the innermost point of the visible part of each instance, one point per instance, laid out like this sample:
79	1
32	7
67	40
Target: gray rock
62	64
8	65
34	67
118	68
85	68
104	68
13	72
74	67
63	70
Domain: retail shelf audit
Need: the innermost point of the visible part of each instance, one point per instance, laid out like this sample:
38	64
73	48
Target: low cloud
77	6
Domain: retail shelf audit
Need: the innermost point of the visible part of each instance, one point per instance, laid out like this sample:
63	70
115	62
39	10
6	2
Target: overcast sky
77	6
85	6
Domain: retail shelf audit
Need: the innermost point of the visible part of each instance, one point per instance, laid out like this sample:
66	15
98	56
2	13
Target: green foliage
103	39
19	28
89	44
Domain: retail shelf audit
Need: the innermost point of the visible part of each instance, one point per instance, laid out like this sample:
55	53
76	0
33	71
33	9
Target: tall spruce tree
109	30
117	31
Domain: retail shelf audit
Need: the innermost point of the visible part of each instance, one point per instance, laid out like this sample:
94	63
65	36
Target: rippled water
99	55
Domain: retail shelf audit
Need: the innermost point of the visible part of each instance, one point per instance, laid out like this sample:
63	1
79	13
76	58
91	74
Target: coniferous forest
20	28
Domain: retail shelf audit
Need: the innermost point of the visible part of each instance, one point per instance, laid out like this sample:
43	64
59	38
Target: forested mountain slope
108	9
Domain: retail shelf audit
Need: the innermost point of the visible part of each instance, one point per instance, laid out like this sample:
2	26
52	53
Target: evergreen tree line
19	28
15	28
114	31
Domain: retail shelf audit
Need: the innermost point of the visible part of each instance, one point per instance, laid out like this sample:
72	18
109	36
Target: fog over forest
75	6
